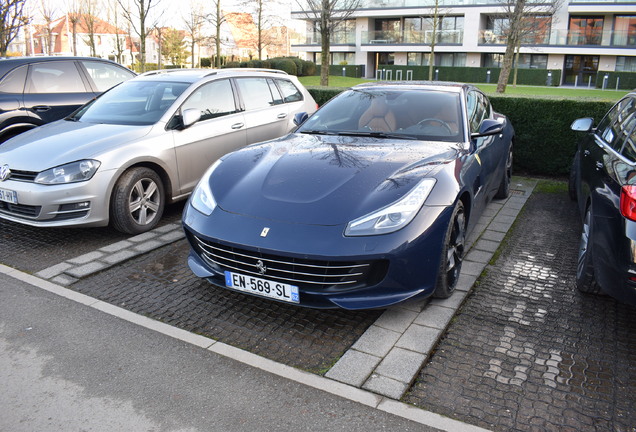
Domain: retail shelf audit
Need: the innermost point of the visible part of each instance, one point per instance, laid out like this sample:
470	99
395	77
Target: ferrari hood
65	141
324	180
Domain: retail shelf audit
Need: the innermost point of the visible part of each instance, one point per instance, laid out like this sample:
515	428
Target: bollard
548	81
605	79
488	77
618	79
344	71
436	74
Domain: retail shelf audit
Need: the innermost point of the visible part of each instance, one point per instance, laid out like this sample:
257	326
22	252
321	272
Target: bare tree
89	16
193	23
12	18
216	18
328	16
74	16
436	19
138	16
522	22
48	15
264	19
120	39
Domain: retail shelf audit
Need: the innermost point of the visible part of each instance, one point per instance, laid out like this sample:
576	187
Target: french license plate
262	287
8	196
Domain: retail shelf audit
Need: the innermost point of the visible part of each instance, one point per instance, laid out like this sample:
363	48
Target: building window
441	59
625	64
342	58
526	61
624	31
585	30
535	30
419	30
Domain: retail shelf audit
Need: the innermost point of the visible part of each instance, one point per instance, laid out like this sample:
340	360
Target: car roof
9	63
452	87
193	75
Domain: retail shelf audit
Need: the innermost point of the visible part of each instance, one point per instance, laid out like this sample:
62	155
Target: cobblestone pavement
161	286
32	249
527	351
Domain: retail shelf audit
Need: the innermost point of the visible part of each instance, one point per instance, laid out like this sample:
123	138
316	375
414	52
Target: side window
478	110
55	77
278	99
213	99
256	93
629	148
618	123
13	82
105	75
290	92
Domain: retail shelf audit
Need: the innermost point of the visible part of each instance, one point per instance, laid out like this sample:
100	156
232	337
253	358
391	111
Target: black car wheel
452	253
138	201
504	186
585	280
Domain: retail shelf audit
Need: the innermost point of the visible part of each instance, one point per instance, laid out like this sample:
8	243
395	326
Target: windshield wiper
317	132
379	135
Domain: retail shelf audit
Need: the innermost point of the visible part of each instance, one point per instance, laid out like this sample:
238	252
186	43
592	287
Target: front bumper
404	264
73	204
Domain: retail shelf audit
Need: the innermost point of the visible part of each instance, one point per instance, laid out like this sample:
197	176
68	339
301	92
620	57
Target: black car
603	181
39	90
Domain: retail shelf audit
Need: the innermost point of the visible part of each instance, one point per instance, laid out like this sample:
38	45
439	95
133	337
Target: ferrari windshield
392	113
133	102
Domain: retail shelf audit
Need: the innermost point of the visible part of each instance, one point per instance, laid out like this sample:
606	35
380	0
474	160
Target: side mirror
300	118
582	124
488	127
190	117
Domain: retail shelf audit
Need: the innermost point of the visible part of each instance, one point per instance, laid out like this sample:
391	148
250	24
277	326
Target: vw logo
5	172
260	266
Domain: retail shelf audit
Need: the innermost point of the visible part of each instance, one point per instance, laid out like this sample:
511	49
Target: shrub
232	64
206	62
309	68
544	142
285	65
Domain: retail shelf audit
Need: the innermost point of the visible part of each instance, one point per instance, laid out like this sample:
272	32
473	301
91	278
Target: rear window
13	82
289	90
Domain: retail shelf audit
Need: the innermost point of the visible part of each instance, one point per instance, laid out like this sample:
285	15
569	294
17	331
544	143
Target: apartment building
581	39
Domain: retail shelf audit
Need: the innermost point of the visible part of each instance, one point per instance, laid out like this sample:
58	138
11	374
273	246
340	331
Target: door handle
41	108
282	115
237	125
586	153
599	165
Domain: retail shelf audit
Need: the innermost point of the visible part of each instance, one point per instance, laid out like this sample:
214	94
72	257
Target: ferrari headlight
202	198
394	216
70	173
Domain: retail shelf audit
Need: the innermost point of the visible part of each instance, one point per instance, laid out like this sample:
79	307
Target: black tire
452	253
137	201
504	186
572	179
585	279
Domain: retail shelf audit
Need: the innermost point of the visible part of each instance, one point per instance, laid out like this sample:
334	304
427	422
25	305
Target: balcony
615	39
340	38
422	37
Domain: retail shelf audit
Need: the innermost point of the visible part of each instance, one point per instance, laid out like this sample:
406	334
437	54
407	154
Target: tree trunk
325	36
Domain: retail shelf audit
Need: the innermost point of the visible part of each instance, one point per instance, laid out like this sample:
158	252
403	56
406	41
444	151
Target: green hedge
291	65
544	142
352	71
626	80
537	77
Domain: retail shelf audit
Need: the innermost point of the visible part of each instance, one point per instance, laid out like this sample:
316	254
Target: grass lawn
550	92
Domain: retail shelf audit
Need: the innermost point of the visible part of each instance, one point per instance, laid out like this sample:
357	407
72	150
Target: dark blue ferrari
366	204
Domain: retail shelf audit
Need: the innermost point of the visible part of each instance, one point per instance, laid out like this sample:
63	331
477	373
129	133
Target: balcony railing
566	38
421	37
338	38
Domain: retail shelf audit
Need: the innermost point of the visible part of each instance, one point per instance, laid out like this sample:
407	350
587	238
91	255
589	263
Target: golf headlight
394	216
202	198
70	173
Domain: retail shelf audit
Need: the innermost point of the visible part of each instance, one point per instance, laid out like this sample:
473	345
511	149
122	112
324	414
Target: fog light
84	205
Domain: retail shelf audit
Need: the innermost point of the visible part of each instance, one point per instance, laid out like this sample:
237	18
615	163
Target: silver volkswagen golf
120	158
